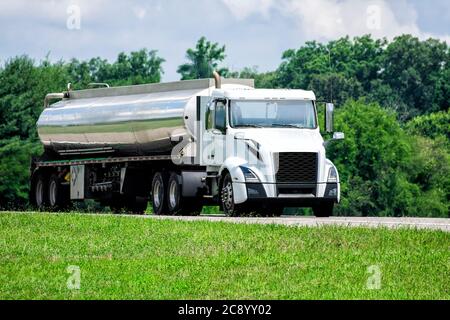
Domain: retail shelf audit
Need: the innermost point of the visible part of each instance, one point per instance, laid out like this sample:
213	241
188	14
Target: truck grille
296	167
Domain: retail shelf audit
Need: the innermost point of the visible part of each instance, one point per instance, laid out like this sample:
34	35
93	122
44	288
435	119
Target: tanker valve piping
53	96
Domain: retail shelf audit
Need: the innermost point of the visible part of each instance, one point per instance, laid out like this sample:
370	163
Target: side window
220	116
209	118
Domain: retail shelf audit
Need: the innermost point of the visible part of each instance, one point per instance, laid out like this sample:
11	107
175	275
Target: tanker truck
184	145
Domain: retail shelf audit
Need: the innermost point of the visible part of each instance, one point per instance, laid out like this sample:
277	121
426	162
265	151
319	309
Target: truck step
209	177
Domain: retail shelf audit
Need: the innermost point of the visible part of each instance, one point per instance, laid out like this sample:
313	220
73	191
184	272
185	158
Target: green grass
135	258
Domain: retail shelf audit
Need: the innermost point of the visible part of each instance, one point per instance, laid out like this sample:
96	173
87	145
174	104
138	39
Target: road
371	222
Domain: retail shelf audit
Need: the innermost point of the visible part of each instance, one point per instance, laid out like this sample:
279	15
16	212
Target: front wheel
323	210
227	199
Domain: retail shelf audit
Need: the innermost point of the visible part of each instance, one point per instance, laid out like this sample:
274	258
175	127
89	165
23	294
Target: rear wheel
323	210
58	194
159	201
39	193
177	204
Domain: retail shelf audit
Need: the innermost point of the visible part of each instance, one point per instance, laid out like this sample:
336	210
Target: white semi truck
184	145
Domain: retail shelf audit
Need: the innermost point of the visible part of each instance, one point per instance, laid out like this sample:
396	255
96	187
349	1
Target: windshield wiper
248	126
286	125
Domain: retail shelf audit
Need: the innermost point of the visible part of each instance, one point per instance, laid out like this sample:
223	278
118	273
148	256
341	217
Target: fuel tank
131	120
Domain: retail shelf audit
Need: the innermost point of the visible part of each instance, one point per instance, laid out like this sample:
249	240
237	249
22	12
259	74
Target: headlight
332	175
249	175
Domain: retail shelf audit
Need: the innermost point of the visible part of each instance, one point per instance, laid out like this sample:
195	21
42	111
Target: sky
255	32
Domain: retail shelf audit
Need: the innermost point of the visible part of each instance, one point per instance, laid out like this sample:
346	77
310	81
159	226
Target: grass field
134	258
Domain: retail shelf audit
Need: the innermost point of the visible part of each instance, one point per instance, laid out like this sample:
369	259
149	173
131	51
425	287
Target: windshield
273	114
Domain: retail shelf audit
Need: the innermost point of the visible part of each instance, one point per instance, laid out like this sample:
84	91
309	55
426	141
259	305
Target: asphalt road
371	222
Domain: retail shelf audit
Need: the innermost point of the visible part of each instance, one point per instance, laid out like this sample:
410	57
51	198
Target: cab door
215	133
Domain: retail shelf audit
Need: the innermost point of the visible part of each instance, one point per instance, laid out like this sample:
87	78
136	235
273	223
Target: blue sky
255	32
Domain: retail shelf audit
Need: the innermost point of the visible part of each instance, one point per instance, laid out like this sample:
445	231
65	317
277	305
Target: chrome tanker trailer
183	145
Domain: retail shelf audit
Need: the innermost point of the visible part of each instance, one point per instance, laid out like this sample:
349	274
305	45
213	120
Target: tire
174	197
39	192
58	194
323	210
159	200
176	203
227	199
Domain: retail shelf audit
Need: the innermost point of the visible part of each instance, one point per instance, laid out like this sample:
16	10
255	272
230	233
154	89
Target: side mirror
338	136
329	109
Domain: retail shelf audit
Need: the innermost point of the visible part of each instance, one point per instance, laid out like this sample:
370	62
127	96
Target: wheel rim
227	195
52	193
39	193
157	194
172	194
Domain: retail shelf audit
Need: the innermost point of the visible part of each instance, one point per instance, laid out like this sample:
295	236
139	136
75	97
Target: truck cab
268	153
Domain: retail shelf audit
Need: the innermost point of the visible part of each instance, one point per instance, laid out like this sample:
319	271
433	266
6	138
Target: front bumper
288	194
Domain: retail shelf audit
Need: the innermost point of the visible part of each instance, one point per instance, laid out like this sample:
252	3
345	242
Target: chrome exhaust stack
217	79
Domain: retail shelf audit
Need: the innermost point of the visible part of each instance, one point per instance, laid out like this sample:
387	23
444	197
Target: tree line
392	102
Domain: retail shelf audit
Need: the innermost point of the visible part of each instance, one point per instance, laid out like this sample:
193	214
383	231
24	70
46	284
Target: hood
286	139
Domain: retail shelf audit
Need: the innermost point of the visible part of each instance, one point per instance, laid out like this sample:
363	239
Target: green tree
418	71
138	67
430	170
203	60
340	70
410	76
15	155
335	87
432	125
385	171
262	80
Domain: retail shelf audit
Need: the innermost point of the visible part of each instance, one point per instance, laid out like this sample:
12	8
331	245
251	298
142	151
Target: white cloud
51	9
241	9
256	32
331	19
140	12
